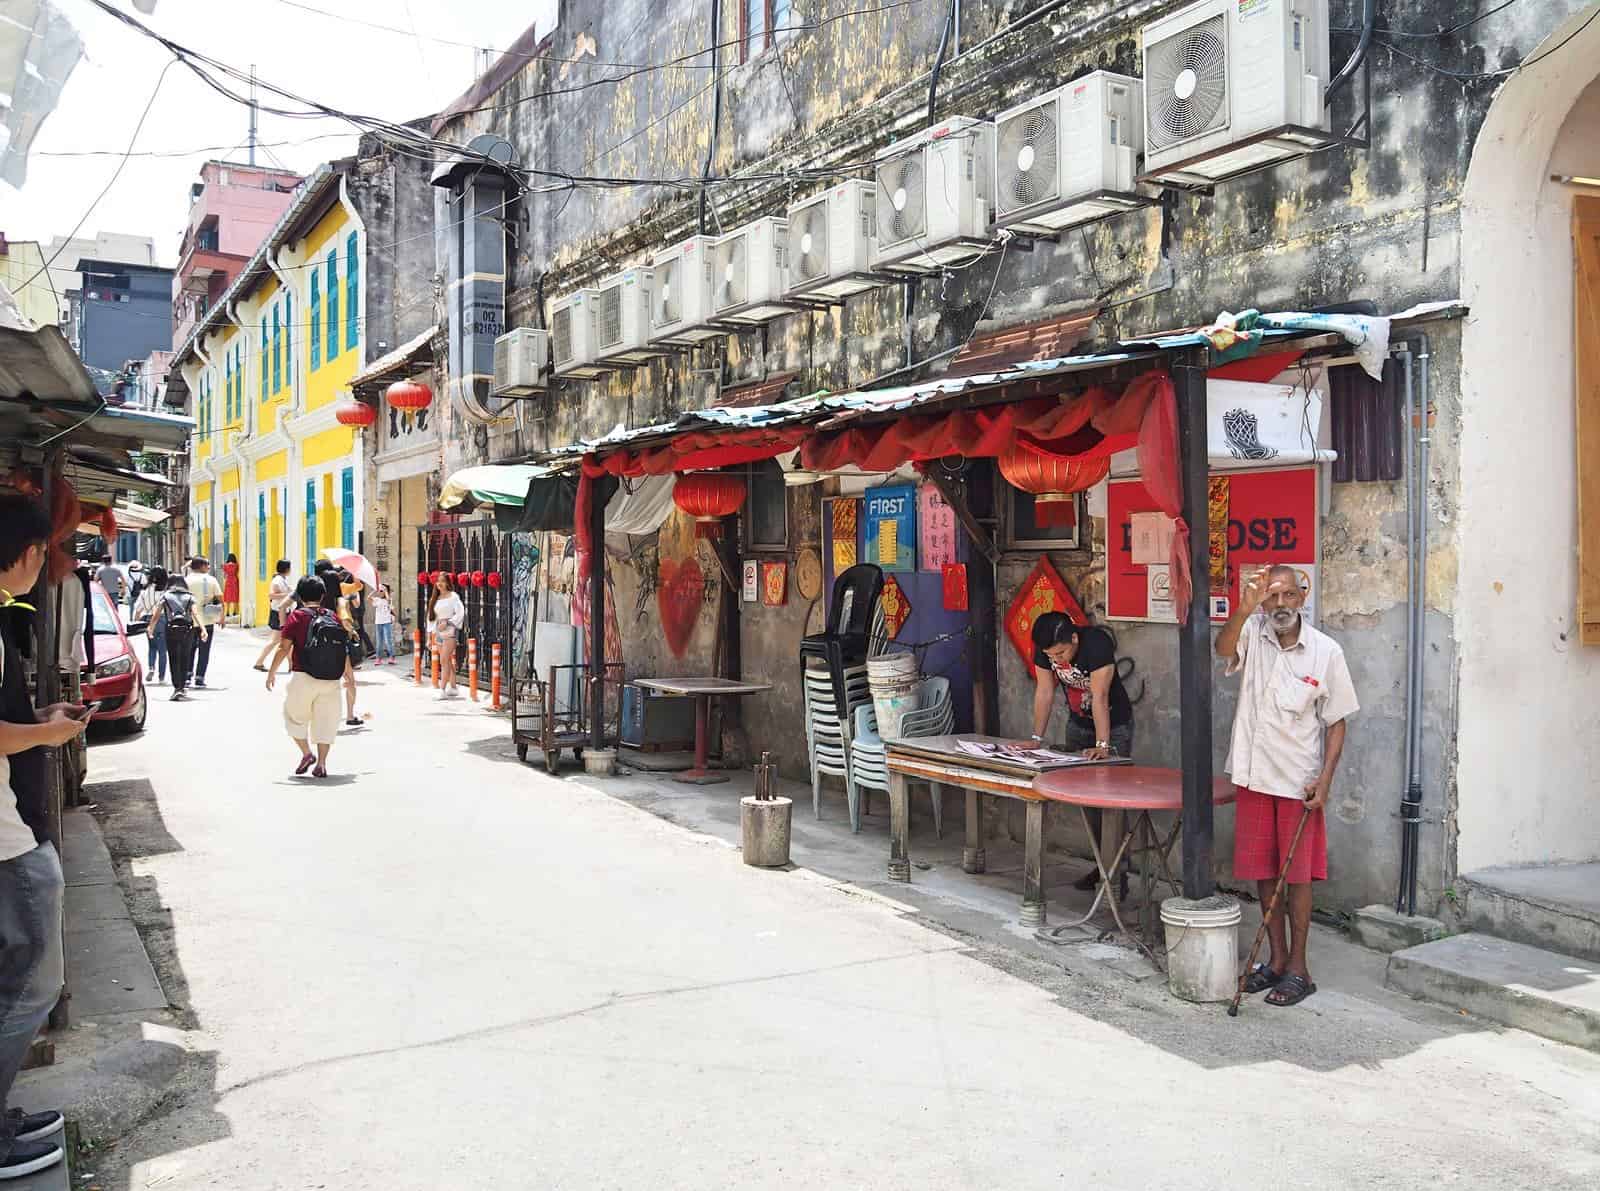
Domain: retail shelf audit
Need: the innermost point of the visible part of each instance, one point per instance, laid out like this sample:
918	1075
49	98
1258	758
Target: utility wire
1470	76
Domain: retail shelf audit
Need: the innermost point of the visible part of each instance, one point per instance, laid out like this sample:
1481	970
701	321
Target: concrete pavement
443	969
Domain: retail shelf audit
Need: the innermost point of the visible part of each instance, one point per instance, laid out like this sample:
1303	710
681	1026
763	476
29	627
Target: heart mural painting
680	590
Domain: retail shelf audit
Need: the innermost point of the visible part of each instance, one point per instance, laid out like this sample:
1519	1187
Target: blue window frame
311	523
227	388
262	355
333	304
316	319
352	275
227	533
347	509
261	536
288	339
277	352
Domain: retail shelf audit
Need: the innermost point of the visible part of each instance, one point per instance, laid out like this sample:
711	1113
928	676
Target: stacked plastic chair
869	758
853	615
827	726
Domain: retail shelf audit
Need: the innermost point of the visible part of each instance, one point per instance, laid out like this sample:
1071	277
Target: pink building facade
231	209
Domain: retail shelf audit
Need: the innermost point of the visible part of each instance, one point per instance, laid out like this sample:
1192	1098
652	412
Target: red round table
1135	792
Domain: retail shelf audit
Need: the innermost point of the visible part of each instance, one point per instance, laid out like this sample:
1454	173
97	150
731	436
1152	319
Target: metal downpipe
1369	22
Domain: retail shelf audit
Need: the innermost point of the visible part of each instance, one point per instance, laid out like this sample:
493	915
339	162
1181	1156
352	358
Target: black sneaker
200	682
26	1157
33	1126
177	695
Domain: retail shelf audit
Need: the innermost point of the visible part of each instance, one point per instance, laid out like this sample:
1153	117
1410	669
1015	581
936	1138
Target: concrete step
1546	993
1551	905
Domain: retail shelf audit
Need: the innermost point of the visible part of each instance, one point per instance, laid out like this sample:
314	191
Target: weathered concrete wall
1380	224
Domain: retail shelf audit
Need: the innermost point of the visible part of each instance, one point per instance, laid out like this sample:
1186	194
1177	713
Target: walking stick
1272	905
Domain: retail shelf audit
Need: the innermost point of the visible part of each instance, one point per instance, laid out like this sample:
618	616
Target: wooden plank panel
1586	352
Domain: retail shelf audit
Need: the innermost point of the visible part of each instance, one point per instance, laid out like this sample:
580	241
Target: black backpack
325	649
180	610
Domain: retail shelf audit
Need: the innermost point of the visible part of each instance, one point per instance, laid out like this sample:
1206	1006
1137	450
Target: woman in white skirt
447	616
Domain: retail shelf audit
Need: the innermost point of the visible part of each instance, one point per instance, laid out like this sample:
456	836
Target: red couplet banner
1271	518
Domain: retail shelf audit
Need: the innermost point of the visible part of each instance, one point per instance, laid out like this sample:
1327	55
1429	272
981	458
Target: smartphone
83	713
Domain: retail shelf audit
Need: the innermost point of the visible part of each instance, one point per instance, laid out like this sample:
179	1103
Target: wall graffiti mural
524	602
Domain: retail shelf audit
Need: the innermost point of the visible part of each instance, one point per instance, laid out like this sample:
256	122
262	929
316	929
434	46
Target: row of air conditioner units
1229	85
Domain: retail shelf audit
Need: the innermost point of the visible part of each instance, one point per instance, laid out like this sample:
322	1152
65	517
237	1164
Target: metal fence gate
469	552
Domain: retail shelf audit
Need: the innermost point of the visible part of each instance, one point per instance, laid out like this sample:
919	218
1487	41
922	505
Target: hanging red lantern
424	579
493	579
355	413
462	579
108	528
708	497
477	578
1052	481
408	394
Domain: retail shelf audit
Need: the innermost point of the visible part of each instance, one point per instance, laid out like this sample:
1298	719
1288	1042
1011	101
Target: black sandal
1291	990
1261	978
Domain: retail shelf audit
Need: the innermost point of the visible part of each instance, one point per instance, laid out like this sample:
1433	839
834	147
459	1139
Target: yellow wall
229	480
327	446
331	377
24	263
271	467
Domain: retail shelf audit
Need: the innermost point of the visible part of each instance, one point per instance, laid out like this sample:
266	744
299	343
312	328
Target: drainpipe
211	507
716	106
1416	424
1369	22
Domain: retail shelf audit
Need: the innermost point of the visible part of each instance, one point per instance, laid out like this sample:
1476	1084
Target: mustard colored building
273	473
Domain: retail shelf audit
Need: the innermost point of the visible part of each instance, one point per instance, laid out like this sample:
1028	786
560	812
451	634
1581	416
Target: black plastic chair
855	598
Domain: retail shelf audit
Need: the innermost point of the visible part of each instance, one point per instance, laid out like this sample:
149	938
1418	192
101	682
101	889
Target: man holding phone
31	962
1288	734
207	594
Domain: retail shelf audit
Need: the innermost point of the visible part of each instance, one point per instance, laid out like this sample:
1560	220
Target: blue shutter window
333	304
352	274
277	352
316	319
261	536
288	338
347	509
311	524
227	533
261	354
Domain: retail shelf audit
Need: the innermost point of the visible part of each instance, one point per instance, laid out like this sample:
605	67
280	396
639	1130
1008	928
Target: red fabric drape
1163	479
1255	368
698	451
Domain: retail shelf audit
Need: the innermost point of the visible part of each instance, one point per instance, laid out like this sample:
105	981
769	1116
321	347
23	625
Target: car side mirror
136	628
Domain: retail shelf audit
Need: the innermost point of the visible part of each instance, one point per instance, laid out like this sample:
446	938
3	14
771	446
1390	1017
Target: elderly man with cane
1288	734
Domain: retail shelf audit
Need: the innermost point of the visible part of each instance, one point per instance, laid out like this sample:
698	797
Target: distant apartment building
232	209
22	272
122	312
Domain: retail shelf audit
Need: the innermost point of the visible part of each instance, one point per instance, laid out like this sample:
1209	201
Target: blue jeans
31	964
385	639
158	654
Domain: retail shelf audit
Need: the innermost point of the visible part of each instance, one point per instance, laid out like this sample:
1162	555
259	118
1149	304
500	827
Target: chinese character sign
936	529
892	527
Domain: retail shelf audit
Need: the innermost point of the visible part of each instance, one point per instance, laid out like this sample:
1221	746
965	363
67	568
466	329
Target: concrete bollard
765	820
472	668
494	676
433	650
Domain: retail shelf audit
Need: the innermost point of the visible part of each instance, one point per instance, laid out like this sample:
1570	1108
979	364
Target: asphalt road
441	969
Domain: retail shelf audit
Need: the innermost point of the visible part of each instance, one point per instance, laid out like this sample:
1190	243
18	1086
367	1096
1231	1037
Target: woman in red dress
230	586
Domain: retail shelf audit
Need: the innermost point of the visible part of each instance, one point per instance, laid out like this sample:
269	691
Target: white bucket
892	708
1202	947
892	668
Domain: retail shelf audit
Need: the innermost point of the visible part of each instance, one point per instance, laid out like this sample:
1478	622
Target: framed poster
891	538
1271	517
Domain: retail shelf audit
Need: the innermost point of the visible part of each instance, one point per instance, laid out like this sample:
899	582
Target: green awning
490	484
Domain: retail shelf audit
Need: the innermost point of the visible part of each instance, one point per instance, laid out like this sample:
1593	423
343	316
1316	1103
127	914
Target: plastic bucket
892	709
1202	947
892	669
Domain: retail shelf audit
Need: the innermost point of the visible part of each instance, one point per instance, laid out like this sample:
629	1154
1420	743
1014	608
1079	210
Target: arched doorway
1528	750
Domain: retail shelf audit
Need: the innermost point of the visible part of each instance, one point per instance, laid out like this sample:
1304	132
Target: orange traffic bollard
472	668
494	676
433	648
416	656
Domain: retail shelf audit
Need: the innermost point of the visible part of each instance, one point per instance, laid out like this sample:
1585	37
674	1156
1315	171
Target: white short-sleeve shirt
1288	697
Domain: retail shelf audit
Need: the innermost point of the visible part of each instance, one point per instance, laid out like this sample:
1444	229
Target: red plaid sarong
1263	828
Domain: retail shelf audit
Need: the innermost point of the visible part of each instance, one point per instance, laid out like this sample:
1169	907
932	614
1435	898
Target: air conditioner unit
749	272
933	197
1069	156
622	318
680	295
520	360
572	335
1233	85
830	242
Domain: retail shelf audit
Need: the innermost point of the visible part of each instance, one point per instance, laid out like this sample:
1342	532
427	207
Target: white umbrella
355	563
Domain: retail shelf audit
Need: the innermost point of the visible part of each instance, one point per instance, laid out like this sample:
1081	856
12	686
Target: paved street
441	969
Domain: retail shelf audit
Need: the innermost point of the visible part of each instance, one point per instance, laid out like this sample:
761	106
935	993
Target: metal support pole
597	618
1194	636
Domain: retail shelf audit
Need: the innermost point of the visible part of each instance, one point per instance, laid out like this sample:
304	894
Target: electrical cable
1470	76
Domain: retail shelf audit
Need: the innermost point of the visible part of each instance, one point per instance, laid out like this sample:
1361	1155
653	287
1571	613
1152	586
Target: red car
115	687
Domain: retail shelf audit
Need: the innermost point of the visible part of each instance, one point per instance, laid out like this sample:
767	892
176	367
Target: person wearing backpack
178	620
315	644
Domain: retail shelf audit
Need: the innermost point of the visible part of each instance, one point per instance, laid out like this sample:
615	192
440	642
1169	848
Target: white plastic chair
869	769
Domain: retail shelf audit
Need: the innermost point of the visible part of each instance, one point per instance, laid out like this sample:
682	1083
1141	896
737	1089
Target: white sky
396	76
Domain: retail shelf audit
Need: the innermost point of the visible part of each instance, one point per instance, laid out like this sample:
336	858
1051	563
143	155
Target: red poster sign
1271	518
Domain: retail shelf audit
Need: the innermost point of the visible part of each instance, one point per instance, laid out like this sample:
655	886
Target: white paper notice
752	581
1158	596
1152	539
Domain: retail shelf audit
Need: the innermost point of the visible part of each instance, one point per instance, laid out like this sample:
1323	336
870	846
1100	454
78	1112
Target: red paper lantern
1051	480
355	413
462	579
708	497
408	394
424	579
108	527
477	578
493	580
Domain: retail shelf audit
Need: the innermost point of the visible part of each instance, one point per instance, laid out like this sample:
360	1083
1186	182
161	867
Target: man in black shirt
1081	658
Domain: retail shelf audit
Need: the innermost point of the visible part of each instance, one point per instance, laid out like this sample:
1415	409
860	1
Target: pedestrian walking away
138	580
314	644
113	578
446	617
178	619
383	625
207	594
335	583
31	886
356	594
280	599
230	586
1288	734
146	608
